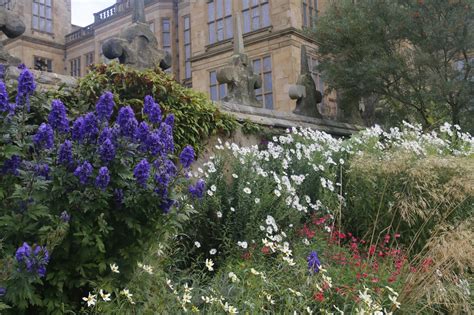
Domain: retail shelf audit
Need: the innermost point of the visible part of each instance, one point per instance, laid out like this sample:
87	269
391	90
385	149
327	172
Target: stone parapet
45	80
285	120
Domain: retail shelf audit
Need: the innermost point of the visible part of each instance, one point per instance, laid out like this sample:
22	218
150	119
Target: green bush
77	197
196	116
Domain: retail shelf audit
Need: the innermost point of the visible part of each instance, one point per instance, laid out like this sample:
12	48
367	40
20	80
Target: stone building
197	33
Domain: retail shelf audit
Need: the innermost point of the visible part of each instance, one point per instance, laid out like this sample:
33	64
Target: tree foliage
414	57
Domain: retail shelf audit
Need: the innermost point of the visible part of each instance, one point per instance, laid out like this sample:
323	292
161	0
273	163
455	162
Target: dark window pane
220	30
213	77
219	9
188	70
257	66
265	15
254	3
269	101
229	27
210	11
267	64
187	38
35	22
246	21
166	40
166	25
186	23
222	91
228	7
212	33
267	82
214	93
48	13
245	4
49	26
187	51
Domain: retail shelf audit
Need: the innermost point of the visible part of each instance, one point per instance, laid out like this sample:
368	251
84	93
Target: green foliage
197	117
85	226
414	57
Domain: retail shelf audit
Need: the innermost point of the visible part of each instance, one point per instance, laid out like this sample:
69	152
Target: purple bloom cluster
26	87
166	204
102	180
65	217
83	172
142	133
313	262
152	110
34	261
105	106
3	291
170	120
3	98
186	158
44	137
142	172
127	122
65	154
57	117
197	190
85	128
10	166
42	170
107	151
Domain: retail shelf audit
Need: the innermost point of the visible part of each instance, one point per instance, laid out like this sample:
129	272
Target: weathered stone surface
238	75
137	45
279	119
44	80
306	102
11	26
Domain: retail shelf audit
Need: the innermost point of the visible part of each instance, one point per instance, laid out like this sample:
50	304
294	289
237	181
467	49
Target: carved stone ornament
12	26
238	75
304	92
137	46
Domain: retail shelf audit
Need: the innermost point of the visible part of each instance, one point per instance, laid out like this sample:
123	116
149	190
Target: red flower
371	250
319	296
265	250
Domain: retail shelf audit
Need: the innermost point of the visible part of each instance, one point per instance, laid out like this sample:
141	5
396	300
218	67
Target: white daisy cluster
185	299
274	240
220	301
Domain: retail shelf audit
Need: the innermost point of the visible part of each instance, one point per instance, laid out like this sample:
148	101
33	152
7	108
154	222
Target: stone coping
44	79
267	117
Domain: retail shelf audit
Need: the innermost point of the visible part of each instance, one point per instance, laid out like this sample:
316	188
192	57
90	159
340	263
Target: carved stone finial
238	75
12	26
304	92
139	11
137	46
238	36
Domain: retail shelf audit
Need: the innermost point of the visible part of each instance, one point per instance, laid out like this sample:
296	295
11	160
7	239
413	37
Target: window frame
75	66
48	63
39	18
310	11
220	88
187	45
168	46
214	20
248	9
263	93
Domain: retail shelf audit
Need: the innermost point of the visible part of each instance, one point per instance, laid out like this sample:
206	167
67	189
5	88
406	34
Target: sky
83	10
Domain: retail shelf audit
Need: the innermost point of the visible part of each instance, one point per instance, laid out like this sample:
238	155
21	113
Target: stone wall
44	80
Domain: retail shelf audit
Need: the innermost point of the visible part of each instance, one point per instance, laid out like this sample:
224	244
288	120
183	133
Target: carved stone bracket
304	92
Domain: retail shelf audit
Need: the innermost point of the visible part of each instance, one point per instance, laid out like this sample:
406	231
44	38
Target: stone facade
44	41
198	34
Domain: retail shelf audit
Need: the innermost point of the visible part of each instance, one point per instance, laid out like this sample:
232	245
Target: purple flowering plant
87	190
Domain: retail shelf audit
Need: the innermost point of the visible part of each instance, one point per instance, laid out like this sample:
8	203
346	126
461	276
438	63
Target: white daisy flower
91	300
114	268
209	264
